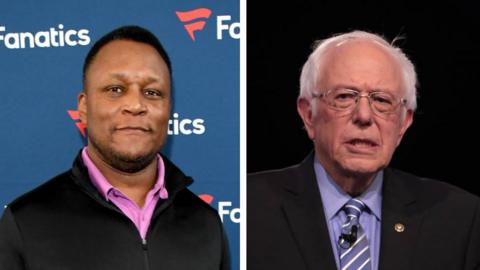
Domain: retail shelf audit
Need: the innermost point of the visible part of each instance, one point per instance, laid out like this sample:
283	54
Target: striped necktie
353	246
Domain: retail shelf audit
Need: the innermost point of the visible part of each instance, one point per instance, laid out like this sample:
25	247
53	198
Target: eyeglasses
343	99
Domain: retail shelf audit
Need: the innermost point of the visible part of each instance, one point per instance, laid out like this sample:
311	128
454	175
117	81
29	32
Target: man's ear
82	106
406	123
304	108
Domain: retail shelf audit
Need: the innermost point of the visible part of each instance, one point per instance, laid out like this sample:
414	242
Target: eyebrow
124	77
351	87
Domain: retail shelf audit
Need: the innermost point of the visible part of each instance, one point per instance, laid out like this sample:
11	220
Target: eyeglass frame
360	94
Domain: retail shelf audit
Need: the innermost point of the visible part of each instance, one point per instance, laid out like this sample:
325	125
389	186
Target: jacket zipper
144	241
156	212
145	254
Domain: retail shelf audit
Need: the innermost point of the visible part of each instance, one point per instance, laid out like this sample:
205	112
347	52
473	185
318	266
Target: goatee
123	162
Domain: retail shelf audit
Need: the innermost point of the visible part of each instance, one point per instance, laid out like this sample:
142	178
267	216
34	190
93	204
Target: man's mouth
133	129
362	142
362	146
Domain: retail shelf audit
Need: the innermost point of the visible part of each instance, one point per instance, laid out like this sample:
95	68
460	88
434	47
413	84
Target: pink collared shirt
141	217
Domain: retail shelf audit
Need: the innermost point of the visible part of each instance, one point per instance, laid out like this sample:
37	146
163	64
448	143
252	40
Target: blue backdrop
42	48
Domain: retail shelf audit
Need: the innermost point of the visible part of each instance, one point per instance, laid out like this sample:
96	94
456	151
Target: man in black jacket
342	207
122	205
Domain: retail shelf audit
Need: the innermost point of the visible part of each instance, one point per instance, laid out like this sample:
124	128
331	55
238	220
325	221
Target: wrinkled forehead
360	61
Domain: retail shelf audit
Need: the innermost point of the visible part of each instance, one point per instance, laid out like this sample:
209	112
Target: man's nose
362	114
134	102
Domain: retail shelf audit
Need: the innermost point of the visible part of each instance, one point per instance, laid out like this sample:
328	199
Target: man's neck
134	185
352	183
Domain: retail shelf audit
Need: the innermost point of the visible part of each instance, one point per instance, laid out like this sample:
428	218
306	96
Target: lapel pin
399	227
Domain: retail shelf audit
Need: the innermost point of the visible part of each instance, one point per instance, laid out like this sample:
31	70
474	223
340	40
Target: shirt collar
334	198
105	188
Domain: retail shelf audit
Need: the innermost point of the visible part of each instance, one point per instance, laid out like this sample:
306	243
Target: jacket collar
401	220
304	212
175	179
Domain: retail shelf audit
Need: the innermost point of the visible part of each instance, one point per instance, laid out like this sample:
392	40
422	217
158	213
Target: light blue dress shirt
333	199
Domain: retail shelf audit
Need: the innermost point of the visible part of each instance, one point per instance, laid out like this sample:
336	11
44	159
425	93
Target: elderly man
343	207
122	205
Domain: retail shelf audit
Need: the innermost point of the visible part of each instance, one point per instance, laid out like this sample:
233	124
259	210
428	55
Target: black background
442	40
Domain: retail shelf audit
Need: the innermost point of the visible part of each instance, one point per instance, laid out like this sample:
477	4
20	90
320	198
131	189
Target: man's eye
382	99
115	89
152	93
345	96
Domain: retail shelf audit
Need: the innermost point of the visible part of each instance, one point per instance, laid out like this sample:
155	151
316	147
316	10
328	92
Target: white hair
310	75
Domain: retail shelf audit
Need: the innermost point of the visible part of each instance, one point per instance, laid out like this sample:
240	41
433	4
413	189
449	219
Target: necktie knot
353	244
353	208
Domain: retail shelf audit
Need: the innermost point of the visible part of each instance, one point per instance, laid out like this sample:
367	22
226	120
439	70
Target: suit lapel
398	209
304	213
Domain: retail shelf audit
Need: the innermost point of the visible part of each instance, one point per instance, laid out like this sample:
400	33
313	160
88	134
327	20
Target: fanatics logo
53	37
206	198
225	209
75	116
193	20
176	125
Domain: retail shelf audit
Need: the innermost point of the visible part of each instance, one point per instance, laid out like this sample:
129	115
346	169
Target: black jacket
287	227
65	224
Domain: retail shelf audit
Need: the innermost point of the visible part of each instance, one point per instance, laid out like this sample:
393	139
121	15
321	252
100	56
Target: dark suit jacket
286	226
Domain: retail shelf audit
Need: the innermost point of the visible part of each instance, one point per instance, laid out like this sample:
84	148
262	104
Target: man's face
126	104
360	142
